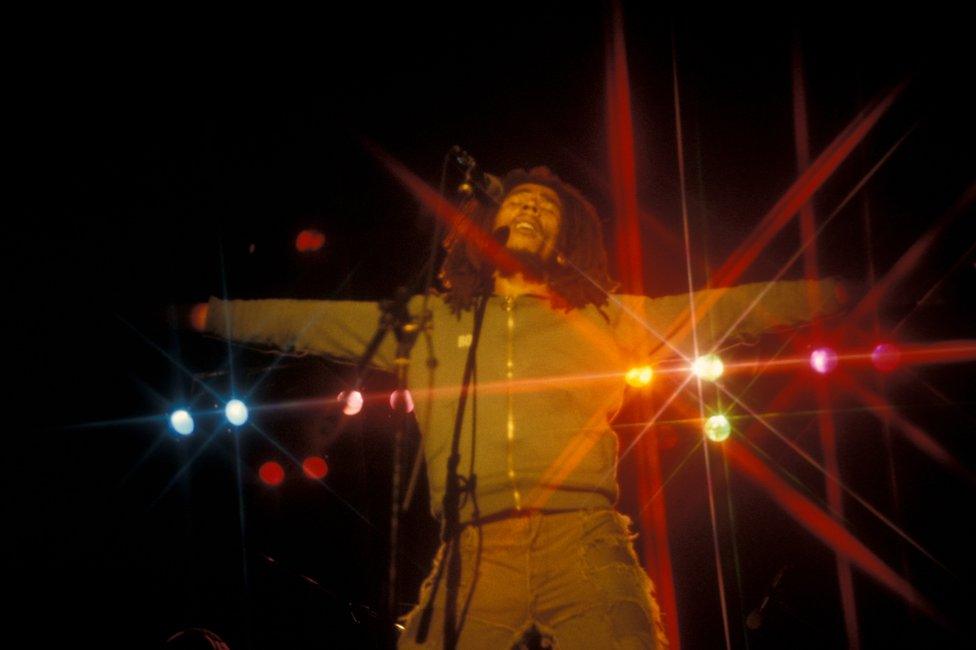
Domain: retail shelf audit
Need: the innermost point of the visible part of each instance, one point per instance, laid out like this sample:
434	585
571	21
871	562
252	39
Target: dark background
160	159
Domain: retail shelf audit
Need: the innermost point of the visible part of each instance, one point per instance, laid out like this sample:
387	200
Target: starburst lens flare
717	428
639	377
885	357
708	367
272	473
395	400
352	402
823	360
236	412
315	467
182	422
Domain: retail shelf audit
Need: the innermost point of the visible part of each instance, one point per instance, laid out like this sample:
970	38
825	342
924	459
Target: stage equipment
475	178
272	473
885	357
639	377
236	412
182	422
717	428
823	360
708	367
315	467
309	241
395	398
352	401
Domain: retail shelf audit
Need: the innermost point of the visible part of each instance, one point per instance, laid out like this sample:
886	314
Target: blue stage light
236	412
182	422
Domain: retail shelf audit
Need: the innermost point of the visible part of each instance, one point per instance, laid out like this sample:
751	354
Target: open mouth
526	227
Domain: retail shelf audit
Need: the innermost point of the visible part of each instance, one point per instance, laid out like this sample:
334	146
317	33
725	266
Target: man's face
533	215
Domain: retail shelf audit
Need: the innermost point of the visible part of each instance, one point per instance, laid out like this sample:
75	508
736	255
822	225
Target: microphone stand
455	486
451	512
396	319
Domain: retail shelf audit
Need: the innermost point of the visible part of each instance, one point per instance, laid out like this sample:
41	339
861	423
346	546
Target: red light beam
910	259
913	433
623	174
809	181
447	212
822	526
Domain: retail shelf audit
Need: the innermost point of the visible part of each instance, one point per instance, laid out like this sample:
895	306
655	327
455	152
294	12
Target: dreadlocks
576	277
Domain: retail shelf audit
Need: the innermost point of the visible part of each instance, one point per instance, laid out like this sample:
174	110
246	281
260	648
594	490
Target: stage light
271	473
236	412
309	241
182	422
198	316
708	367
315	467
352	403
823	360
885	357
639	376
395	400
717	428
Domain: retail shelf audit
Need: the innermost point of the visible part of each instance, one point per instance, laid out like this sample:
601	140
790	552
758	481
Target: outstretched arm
751	309
337	328
724	314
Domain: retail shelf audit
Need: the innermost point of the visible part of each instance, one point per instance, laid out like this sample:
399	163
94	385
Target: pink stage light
395	400
352	402
885	357
823	360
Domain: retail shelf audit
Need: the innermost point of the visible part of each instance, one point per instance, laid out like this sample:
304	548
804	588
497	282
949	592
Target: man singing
540	544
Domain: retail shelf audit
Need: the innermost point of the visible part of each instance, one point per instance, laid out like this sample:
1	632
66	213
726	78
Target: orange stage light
198	316
639	377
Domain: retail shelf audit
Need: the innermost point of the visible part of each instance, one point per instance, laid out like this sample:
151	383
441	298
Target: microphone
500	235
476	178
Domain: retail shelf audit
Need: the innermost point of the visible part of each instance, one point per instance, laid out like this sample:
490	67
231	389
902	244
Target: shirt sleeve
662	326
340	329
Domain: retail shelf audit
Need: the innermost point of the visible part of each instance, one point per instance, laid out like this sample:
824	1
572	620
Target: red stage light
309	241
272	473
315	467
885	357
823	360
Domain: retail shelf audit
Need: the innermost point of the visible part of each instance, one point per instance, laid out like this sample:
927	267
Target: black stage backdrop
160	159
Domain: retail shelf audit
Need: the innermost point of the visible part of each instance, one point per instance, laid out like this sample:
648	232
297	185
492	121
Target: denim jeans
573	576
